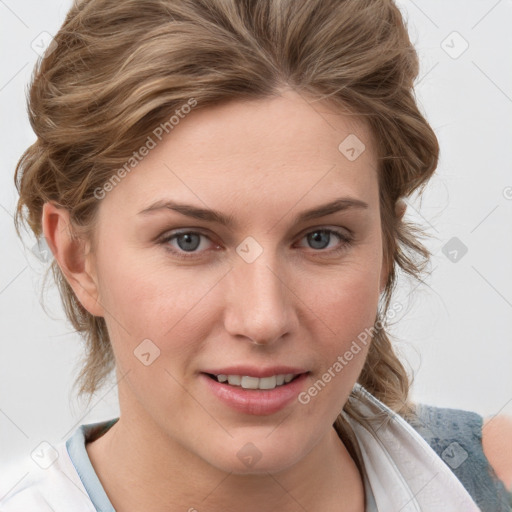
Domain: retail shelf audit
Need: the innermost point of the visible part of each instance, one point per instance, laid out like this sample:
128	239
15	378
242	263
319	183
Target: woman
253	365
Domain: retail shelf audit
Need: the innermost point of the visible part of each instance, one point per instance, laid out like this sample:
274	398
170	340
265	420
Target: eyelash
344	238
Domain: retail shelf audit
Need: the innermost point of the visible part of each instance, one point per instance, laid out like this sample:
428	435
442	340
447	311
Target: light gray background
456	328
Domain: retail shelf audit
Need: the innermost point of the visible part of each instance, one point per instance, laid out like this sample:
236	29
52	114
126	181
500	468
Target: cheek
347	299
144	298
347	309
345	305
147	301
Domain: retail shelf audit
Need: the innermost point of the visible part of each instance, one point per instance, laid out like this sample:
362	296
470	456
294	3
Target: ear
71	254
400	208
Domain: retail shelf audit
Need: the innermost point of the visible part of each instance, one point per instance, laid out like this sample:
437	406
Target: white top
402	472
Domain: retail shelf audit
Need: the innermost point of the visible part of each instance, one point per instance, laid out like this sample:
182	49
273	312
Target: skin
263	162
497	446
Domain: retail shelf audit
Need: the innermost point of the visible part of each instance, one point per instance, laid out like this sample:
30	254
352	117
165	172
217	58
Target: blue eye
188	241
320	236
185	244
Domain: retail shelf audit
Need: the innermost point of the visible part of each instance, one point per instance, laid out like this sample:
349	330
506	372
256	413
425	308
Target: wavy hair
118	68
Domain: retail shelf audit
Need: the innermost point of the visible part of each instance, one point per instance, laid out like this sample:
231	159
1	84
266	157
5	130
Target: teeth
248	382
235	380
267	382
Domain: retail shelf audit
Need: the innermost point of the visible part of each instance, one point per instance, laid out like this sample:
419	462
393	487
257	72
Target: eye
319	239
188	244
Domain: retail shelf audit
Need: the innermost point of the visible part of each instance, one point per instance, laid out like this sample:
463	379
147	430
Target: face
267	293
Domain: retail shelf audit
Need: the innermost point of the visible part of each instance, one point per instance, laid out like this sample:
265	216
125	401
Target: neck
159	475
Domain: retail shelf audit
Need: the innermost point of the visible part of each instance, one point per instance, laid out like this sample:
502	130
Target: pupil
317	236
188	237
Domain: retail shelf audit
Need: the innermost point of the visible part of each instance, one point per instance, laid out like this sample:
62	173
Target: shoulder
460	439
50	485
497	446
22	487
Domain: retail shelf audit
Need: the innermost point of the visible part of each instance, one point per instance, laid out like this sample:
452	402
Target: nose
260	301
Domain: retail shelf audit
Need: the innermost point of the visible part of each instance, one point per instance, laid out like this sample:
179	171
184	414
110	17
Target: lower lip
256	401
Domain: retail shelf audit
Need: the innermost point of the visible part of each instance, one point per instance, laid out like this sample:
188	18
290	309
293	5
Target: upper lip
256	371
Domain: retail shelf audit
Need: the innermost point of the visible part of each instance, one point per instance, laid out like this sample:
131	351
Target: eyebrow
341	204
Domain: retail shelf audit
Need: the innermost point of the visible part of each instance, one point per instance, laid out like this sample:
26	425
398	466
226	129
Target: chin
260	453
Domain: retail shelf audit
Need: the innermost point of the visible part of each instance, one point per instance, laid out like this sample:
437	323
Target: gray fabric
371	506
456	436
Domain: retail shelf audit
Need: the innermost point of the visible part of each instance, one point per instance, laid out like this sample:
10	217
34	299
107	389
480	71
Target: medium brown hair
118	68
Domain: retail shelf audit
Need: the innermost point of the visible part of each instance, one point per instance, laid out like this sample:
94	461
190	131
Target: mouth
255	391
251	382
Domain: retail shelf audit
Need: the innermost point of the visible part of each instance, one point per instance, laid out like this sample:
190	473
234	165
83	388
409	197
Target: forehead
279	148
